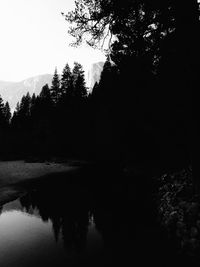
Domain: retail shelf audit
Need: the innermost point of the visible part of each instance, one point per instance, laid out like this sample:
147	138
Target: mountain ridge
13	91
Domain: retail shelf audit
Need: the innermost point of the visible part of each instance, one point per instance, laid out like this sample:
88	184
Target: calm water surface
59	224
50	227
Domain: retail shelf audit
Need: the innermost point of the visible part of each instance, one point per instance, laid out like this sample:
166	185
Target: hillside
13	91
94	74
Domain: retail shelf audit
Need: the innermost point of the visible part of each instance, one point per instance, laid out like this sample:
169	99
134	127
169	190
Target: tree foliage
49	123
138	27
5	114
154	45
66	82
79	87
55	88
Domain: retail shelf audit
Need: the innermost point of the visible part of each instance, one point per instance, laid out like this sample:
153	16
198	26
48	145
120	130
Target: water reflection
69	215
62	224
91	224
57	218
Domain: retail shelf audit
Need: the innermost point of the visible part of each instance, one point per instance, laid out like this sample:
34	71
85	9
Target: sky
34	39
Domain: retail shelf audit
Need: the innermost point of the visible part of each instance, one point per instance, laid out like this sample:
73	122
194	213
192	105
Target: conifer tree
32	104
25	106
79	86
7	113
33	98
14	119
66	81
2	118
45	92
1	104
45	99
55	88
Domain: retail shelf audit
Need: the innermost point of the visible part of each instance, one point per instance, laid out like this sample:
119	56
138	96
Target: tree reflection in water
72	208
68	211
113	211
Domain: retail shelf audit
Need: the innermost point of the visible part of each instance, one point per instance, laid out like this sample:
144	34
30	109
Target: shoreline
16	176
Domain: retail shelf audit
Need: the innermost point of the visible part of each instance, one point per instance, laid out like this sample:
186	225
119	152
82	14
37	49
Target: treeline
55	121
123	119
5	117
5	114
148	106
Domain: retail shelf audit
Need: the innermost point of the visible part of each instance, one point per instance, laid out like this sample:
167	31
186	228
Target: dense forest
141	109
50	123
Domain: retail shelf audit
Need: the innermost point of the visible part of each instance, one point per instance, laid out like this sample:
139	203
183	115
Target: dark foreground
85	218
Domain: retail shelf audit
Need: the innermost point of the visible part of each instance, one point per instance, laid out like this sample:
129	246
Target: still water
60	224
50	226
27	240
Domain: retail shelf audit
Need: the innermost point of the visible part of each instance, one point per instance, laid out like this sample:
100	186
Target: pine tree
45	99
21	115
66	81
4	130
7	113
25	106
79	86
2	118
45	92
55	88
32	104
33	99
17	108
1	104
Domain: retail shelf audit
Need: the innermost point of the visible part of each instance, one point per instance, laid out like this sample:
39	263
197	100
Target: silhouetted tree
24	108
14	119
148	35
55	88
52	121
5	136
2	118
45	99
79	87
7	113
66	82
2	125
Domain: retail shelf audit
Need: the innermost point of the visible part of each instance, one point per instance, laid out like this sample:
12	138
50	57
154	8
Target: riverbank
179	212
14	173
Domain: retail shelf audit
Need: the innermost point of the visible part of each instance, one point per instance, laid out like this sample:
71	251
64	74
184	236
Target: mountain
13	91
94	74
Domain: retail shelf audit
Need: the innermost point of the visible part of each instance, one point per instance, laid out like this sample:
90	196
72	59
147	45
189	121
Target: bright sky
34	39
